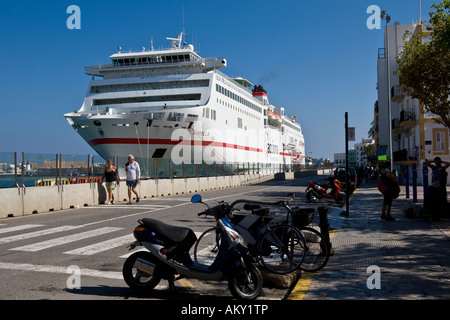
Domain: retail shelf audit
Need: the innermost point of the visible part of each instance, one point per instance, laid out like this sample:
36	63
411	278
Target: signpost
349	136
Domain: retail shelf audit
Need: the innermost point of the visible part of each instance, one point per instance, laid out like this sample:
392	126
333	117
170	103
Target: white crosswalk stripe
64	240
89	250
36	234
102	246
18	228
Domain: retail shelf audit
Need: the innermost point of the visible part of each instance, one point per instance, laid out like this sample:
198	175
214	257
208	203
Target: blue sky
317	59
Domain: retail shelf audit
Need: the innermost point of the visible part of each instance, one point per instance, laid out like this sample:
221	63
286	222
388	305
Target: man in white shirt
133	177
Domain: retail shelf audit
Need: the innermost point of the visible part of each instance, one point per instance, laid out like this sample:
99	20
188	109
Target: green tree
424	64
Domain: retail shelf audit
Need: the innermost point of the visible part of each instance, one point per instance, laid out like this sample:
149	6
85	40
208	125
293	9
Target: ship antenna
151	43
183	20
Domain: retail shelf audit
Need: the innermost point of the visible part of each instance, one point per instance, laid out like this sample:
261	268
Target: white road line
36	234
64	240
56	269
84	272
18	228
102	246
134	206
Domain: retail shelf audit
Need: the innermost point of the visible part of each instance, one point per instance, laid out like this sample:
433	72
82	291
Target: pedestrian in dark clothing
436	200
112	179
391	193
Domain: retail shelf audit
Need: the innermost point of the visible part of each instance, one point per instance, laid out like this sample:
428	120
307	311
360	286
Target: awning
384	157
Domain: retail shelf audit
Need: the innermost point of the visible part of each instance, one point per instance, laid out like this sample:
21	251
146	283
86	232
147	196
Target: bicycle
280	249
317	250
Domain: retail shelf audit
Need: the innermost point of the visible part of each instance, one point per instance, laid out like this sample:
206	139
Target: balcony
395	123
408	118
396	93
411	154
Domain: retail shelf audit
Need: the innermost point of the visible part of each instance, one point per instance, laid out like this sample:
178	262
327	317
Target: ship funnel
259	93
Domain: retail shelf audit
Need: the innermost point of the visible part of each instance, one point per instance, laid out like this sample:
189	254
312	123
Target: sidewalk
412	254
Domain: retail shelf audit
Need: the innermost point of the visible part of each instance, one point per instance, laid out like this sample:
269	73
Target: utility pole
346	167
387	17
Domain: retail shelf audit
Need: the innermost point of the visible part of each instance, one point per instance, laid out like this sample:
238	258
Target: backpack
387	185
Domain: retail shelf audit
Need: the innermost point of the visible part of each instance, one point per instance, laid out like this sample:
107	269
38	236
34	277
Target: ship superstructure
174	108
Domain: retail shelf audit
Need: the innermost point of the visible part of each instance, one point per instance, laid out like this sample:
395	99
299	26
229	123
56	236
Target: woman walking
111	176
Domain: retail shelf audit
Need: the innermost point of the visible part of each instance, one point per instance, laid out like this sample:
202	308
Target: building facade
412	133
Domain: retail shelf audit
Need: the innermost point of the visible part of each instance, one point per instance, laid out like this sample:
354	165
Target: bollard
324	225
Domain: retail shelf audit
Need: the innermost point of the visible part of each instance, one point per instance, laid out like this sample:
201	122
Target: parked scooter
168	255
315	191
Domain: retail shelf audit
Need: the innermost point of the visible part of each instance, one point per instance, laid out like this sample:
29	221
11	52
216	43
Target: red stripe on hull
96	142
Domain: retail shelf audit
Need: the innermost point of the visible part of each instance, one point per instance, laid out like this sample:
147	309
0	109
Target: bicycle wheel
207	246
317	251
282	249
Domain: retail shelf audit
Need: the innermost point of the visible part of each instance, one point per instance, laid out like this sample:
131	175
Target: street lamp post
387	17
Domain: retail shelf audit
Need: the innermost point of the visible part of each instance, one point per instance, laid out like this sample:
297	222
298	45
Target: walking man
133	177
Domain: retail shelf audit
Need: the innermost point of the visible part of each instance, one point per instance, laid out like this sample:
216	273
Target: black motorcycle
168	255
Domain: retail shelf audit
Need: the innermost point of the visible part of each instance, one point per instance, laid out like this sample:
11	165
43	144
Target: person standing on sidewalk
112	178
436	199
392	192
133	177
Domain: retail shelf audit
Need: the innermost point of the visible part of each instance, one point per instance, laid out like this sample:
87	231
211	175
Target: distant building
361	156
339	159
356	156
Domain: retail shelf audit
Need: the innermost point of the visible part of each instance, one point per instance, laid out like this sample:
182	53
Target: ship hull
182	142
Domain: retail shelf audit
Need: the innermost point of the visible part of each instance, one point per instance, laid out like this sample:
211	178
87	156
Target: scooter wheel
136	278
311	196
246	284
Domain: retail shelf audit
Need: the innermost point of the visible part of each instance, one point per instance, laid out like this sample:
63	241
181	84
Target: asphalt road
78	254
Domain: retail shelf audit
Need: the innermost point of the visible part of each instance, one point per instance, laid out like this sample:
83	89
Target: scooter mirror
196	198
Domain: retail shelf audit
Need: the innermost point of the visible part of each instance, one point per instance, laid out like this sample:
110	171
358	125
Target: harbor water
8	181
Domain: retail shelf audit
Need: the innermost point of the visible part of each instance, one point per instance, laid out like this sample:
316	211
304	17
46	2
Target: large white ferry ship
172	107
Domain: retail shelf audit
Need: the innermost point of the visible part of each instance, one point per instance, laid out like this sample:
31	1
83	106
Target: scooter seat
172	233
251	206
256	209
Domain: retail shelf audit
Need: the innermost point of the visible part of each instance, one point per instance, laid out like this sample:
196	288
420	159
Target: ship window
240	123
185	97
157	115
206	113
192	117
159	153
169	59
143	60
175	116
